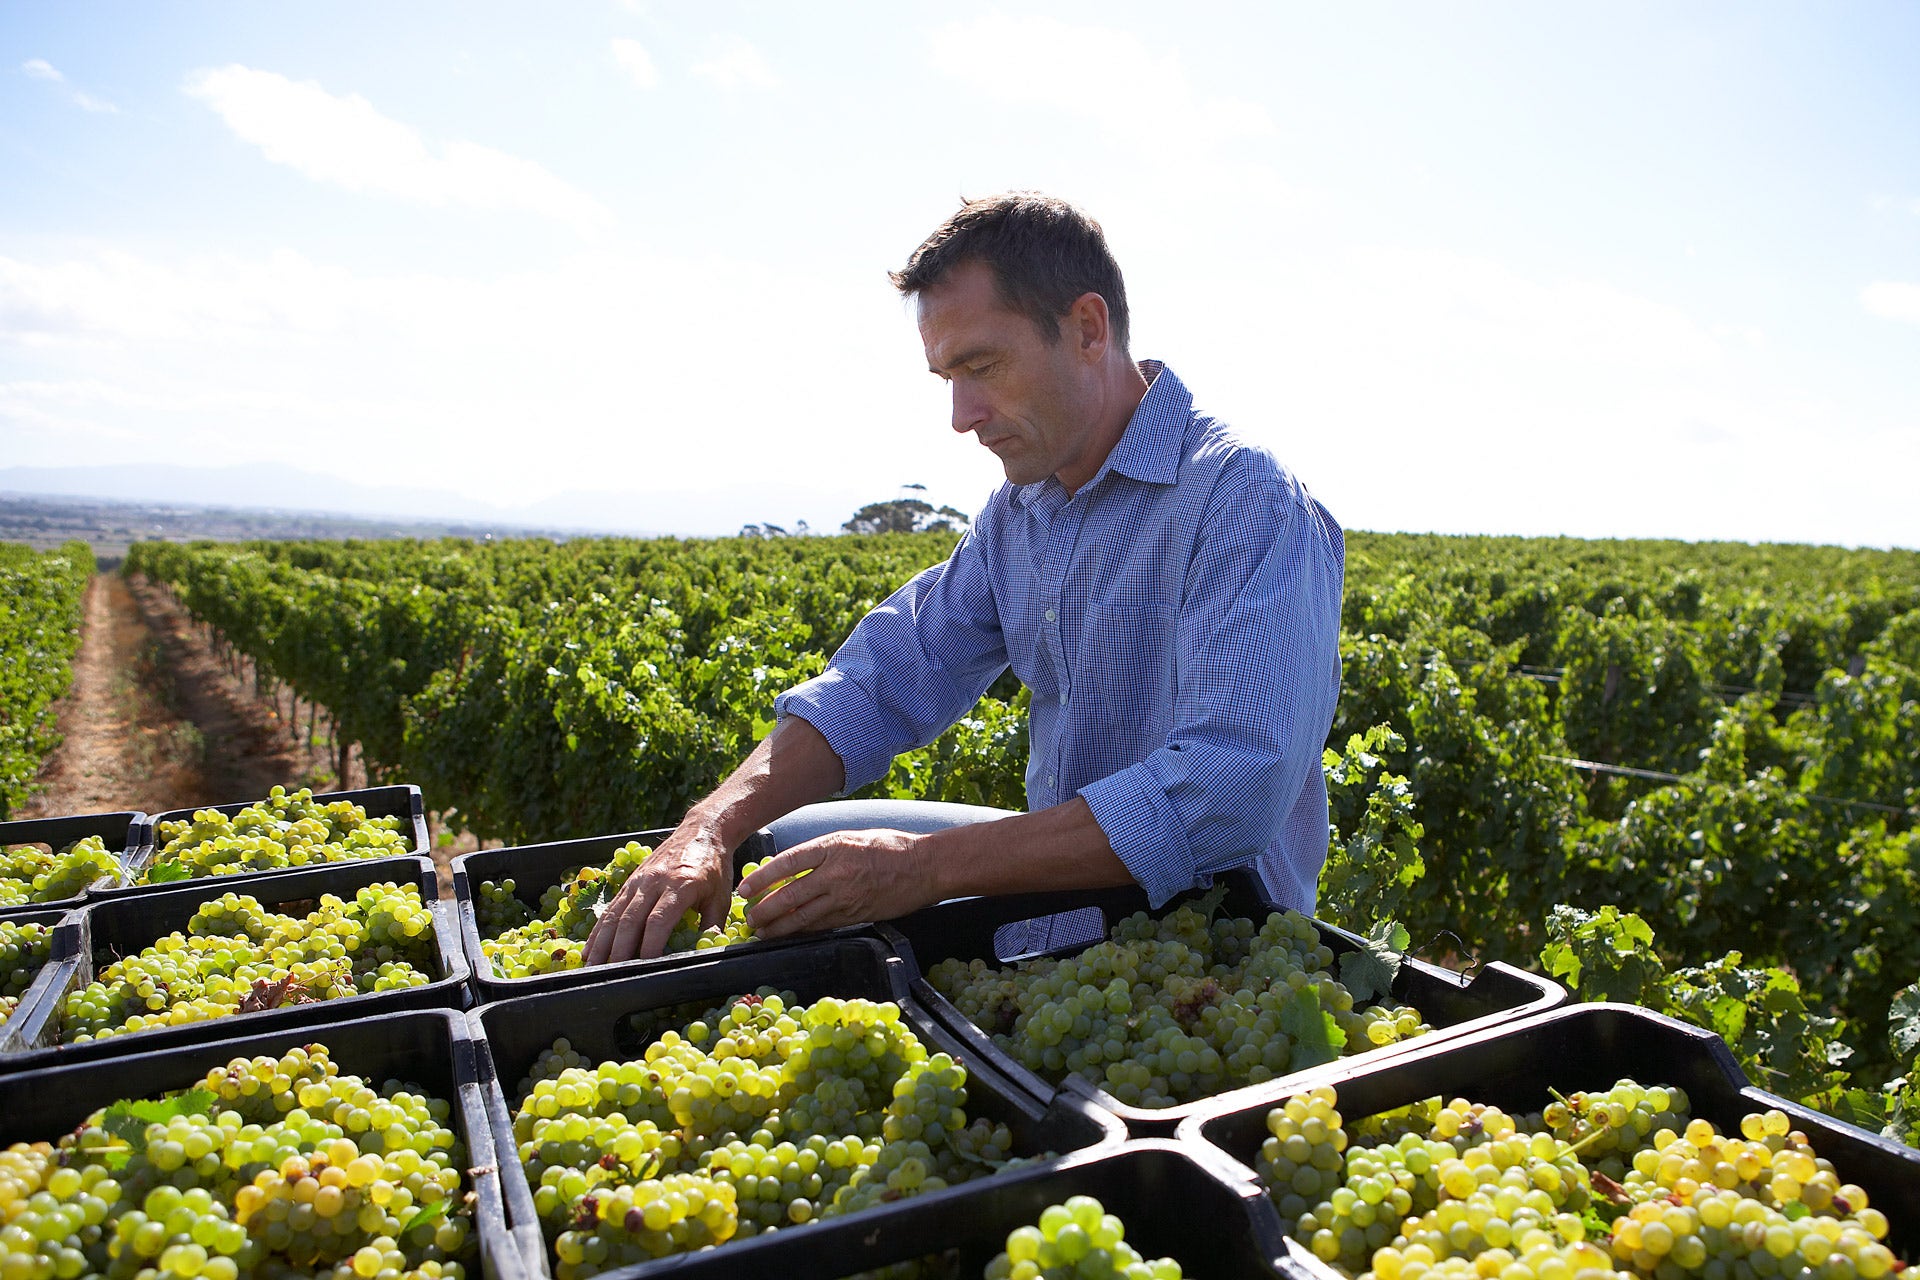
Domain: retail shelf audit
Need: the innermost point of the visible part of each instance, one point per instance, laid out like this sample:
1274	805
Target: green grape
1074	1239
235	956
1464	1190
287	829
1170	1010
293	1167
33	873
760	1114
24	951
520	943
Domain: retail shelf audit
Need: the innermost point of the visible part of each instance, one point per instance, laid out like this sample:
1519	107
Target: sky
1603	269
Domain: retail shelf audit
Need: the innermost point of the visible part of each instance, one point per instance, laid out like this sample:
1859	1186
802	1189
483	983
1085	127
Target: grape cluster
269	1167
520	944
287	829
1072	1240
761	1115
1170	1010
24	948
237	957
1467	1191
32	873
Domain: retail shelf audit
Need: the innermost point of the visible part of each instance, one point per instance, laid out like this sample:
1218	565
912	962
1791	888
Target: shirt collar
1149	449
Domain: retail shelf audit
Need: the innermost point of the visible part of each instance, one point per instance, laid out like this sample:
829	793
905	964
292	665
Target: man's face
1019	395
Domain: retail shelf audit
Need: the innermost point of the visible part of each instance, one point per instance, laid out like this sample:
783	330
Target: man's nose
969	408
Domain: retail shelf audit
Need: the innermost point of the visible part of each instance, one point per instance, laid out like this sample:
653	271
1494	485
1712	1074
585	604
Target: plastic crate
1588	1046
536	867
1452	1003
1214	1223
431	1048
123	926
128	833
12	1041
399	801
600	1021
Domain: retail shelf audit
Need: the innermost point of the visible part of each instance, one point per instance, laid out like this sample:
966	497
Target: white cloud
738	66
635	61
1892	300
41	69
345	141
1107	75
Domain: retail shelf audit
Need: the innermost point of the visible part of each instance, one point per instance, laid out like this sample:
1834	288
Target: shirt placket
1063	535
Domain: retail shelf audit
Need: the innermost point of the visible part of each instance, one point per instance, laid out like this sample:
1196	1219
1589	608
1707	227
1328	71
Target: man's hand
692	869
851	877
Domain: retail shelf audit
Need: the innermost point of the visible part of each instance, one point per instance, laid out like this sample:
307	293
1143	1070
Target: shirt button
1051	615
1063	699
1049	779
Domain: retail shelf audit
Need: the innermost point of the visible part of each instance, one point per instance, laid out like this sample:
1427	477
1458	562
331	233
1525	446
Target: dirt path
155	720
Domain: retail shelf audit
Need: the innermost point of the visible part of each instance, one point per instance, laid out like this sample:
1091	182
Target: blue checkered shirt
1177	619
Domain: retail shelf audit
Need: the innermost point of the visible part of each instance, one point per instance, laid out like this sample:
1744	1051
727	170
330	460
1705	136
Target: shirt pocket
1125	670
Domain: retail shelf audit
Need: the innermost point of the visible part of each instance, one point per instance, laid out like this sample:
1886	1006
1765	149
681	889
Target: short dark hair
1043	253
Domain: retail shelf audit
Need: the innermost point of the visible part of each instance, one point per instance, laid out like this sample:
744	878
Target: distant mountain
686	512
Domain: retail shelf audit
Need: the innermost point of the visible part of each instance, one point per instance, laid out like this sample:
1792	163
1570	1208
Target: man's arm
693	867
856	876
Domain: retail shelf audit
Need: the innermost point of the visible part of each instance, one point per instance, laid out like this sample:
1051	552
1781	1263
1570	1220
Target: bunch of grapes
520	944
1072	1240
1170	1010
268	1167
762	1114
32	873
1467	1191
237	957
287	829
24	949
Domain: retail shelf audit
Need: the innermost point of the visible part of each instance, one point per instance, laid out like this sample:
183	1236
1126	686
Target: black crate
12	1042
534	868
1582	1047
620	1017
431	1048
1453	1004
122	926
399	801
128	833
1173	1202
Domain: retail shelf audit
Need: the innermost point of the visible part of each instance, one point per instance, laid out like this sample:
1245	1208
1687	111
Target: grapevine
269	1167
287	829
1622	1181
763	1114
1167	1011
235	956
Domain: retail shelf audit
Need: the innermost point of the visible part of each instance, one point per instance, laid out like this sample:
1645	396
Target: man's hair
1043	253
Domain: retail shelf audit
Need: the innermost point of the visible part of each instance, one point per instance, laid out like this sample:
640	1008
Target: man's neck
1121	388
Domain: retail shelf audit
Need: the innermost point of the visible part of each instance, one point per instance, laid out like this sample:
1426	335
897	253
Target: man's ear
1088	325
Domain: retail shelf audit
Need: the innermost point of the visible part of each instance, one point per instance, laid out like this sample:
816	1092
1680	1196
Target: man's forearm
1057	848
790	767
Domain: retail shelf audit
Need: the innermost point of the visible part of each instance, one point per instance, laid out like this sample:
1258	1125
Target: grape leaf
1316	1036
431	1214
1369	972
128	1120
1903	1021
167	872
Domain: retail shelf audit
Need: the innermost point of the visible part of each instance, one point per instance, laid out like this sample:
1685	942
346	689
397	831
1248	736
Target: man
1170	595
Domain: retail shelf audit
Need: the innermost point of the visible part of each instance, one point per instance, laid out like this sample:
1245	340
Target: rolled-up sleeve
1257	674
912	667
